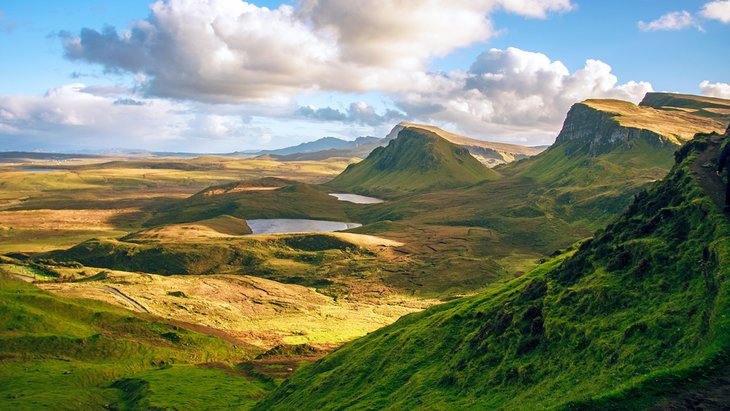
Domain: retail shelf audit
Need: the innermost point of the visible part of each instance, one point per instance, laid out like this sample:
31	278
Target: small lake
357	199
297	225
39	170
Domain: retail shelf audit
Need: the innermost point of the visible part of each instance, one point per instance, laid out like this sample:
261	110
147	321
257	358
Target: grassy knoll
66	353
634	314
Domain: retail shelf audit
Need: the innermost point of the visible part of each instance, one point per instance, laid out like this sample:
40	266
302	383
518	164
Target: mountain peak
416	161
488	153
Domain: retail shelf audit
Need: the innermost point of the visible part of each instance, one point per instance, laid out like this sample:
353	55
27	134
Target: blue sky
505	71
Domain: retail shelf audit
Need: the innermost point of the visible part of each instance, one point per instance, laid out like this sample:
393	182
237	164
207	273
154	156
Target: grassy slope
608	327
292	200
418	160
62	353
251	309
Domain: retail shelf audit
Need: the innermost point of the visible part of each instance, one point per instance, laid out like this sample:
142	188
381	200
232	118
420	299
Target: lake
297	225
357	199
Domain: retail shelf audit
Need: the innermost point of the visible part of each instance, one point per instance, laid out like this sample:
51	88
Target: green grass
417	161
188	387
617	325
27	271
65	353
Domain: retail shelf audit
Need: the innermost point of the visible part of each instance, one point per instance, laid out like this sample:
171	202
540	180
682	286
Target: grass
191	388
607	326
491	229
66	353
417	161
42	211
677	126
258	311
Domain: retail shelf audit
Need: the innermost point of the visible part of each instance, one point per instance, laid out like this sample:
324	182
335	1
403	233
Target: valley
440	260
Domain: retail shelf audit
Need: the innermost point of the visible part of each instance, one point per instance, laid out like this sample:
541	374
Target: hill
607	326
68	353
487	152
416	161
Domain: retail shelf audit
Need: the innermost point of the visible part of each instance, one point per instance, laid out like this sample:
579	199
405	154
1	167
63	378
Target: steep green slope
61	353
633	314
416	161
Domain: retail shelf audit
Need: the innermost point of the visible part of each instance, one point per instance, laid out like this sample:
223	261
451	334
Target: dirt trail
713	395
705	166
26	278
126	298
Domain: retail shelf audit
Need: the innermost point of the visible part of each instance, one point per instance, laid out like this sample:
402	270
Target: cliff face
662	120
601	131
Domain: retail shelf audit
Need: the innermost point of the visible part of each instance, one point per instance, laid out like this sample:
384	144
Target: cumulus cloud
676	20
717	10
359	113
517	92
721	90
232	51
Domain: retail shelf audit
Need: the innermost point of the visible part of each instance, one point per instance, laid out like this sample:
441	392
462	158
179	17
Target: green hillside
417	161
252	199
629	318
61	353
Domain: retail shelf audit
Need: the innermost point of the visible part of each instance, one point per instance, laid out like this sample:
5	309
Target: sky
225	75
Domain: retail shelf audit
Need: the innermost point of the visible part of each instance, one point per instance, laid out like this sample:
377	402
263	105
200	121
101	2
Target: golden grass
45	211
254	310
677	126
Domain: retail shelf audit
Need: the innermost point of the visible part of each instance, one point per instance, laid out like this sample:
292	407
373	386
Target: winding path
126	298
705	166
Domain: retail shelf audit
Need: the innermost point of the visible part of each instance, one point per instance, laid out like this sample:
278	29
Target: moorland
489	276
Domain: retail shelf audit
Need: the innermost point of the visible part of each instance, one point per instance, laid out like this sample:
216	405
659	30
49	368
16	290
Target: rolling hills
67	353
604	326
417	160
477	232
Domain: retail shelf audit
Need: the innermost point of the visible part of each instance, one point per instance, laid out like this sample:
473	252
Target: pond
357	199
297	225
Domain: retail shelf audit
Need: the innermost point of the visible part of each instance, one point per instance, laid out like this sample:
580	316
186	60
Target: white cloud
77	116
676	20
721	90
508	95
232	51
514	93
717	10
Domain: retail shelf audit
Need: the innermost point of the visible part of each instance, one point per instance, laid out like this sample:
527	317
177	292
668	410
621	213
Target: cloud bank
206	72
232	51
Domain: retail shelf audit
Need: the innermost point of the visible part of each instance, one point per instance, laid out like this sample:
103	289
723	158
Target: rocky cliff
603	125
